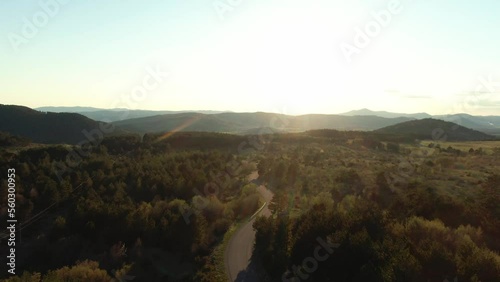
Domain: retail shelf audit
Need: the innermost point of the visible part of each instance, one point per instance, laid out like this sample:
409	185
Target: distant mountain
430	129
250	122
486	124
66	109
48	128
117	115
362	123
110	115
367	112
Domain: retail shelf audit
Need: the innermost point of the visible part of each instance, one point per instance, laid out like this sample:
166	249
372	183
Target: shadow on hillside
253	273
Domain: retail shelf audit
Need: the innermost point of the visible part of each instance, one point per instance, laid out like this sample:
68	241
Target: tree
279	203
82	271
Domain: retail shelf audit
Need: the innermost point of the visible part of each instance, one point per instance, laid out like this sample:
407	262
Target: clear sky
286	56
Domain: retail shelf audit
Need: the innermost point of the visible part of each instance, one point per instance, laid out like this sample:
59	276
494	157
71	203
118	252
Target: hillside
250	122
486	124
7	140
49	128
426	128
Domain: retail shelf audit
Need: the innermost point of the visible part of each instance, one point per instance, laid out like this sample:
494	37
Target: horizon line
258	111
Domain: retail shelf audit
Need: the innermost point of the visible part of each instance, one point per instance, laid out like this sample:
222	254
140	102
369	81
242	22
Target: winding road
240	248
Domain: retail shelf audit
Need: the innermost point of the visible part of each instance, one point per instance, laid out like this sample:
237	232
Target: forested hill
436	129
243	122
42	127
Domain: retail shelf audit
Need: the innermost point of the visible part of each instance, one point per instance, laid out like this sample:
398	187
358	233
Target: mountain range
62	127
367	112
240	122
486	124
110	115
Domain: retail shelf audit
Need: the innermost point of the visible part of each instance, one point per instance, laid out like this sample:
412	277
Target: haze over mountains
367	112
487	124
238	122
110	115
44	127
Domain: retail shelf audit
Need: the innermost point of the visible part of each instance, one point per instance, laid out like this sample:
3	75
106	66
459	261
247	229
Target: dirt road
239	250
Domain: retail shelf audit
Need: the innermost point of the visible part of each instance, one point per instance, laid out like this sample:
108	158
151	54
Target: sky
285	56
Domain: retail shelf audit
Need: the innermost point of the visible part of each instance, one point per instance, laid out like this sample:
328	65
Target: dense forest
157	207
152	209
400	212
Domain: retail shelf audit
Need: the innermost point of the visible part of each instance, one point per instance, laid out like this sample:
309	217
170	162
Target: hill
486	124
110	115
48	128
250	122
434	129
